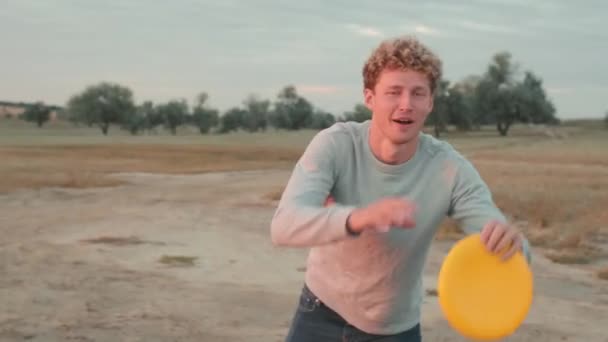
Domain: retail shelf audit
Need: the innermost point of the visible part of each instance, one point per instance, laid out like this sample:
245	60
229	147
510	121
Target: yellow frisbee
482	296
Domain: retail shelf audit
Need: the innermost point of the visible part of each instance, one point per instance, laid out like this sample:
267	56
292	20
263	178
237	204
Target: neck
388	152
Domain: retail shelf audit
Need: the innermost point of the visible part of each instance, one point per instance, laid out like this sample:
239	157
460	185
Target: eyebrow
399	87
419	88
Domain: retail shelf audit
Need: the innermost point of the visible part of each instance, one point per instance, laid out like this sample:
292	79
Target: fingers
406	218
486	232
398	219
393	212
383	228
496	234
515	247
384	222
507	239
408	208
501	239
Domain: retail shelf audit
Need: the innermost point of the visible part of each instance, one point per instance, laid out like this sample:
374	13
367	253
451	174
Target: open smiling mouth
403	121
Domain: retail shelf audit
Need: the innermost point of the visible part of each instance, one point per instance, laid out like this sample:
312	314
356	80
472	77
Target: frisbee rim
455	258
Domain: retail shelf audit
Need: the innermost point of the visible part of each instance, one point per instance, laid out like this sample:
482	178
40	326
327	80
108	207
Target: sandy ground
55	286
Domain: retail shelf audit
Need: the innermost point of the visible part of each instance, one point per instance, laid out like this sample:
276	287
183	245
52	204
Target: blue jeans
313	321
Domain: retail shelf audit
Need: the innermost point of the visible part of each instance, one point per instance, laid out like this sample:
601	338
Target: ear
369	95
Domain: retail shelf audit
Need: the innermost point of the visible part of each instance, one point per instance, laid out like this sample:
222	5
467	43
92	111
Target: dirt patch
570	256
114	285
114	240
274	195
178	260
432	292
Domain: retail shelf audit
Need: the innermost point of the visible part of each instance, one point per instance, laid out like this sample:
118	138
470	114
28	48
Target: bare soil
188	258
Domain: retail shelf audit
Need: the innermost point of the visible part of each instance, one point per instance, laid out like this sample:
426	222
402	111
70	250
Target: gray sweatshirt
374	280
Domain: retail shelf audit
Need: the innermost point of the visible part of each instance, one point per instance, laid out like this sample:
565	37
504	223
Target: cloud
526	4
586	88
366	31
559	90
481	27
317	89
426	30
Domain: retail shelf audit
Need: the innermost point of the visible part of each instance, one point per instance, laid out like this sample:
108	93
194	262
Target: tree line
500	96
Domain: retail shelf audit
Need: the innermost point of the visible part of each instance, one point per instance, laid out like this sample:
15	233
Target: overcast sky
163	50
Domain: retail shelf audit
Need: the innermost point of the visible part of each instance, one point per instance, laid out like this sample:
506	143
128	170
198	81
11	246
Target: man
391	186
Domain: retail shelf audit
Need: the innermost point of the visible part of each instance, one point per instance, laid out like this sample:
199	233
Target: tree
38	113
495	93
508	110
360	113
174	114
606	120
232	119
256	114
291	111
440	113
204	117
102	104
459	111
153	117
465	100
503	100
450	108
322	120
140	118
533	103
134	122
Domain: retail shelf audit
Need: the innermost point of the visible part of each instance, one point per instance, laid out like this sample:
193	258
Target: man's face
400	103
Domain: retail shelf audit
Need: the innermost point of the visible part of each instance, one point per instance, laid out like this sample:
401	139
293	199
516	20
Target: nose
405	102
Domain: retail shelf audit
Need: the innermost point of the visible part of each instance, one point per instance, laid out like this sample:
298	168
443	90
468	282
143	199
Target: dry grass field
552	182
112	217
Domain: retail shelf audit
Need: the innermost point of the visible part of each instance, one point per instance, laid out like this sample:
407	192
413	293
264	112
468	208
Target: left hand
499	237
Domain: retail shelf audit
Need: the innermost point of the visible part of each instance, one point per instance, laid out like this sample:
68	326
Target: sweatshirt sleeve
472	205
301	219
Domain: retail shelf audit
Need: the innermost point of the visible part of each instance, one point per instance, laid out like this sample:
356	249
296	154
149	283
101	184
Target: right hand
382	215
